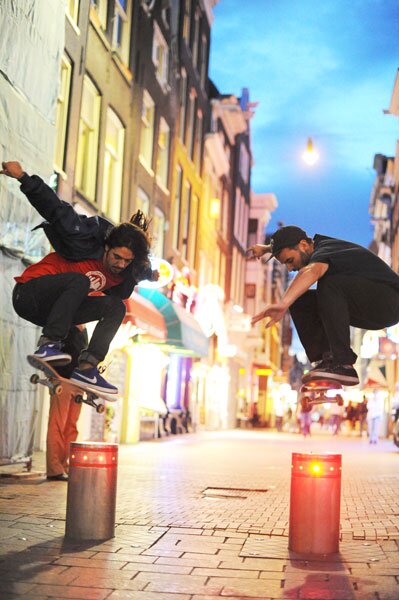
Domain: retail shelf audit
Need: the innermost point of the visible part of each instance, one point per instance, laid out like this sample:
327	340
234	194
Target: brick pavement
203	516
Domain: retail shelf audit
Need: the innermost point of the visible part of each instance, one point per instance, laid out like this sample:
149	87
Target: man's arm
12	169
39	194
305	278
257	250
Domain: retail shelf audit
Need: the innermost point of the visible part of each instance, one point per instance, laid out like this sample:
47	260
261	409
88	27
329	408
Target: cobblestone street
206	515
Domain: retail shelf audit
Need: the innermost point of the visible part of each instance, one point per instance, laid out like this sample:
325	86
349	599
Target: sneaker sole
92	388
62	359
345	380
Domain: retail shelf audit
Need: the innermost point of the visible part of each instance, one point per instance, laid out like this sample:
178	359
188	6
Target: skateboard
56	384
314	392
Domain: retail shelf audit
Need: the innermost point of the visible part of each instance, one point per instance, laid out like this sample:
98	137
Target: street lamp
310	156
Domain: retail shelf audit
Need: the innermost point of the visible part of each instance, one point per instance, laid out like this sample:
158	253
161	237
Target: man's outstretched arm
12	169
305	278
39	194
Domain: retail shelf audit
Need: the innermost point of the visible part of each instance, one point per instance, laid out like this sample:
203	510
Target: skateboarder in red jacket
91	255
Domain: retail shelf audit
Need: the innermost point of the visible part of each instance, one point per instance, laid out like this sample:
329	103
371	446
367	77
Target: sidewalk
206	515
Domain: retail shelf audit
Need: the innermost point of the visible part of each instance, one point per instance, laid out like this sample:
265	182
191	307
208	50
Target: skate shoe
52	352
92	379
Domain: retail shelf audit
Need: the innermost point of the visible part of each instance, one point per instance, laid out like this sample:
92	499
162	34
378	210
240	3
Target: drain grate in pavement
231	493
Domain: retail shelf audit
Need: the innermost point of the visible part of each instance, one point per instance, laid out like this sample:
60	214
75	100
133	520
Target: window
177	207
183	105
87	153
203	66
160	56
195	39
158	229
113	166
73	10
187	21
61	118
244	163
163	153
142	201
101	7
192	233
147	129
121	29
198	143
185	220
190	124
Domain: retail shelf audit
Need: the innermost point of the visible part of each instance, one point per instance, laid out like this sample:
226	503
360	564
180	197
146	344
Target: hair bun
140	220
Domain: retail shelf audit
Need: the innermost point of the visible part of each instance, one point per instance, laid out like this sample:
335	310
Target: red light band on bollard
93	455
316	465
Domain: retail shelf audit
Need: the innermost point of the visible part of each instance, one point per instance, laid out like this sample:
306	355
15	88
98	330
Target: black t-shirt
346	258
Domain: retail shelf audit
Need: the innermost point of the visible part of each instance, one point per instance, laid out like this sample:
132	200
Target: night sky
322	69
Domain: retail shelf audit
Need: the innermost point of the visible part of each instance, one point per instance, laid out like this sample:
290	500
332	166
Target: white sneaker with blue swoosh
92	379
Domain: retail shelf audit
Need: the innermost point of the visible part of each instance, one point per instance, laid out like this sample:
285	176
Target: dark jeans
323	316
58	302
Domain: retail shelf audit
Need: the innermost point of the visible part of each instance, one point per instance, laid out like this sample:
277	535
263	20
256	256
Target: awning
144	315
184	333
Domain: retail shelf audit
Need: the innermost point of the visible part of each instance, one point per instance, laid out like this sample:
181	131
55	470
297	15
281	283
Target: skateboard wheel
34	378
100	408
78	399
57	390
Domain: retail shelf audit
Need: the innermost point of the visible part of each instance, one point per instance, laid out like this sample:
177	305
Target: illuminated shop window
113	166
87	153
61	118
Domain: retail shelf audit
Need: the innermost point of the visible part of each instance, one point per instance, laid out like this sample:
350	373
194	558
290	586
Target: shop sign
165	270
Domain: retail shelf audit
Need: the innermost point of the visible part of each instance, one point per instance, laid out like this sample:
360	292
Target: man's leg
344	300
305	315
109	312
51	301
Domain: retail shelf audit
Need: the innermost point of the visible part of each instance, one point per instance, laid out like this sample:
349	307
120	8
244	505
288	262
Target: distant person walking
375	412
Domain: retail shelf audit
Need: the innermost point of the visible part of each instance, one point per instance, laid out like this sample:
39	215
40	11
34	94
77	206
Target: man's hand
257	251
12	168
275	312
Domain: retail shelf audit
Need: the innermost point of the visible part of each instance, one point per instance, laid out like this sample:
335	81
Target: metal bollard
91	495
315	503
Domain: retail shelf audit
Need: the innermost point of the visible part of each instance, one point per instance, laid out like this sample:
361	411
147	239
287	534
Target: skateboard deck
314	392
56	384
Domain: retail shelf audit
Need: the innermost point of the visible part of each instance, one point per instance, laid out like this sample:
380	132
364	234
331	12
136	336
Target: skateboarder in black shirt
354	288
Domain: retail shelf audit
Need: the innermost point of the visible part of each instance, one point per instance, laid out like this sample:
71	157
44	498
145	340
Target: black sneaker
321	364
343	374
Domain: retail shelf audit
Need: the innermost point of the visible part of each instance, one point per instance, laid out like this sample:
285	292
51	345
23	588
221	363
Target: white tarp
31	45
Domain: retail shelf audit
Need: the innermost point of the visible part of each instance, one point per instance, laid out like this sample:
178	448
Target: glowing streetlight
310	156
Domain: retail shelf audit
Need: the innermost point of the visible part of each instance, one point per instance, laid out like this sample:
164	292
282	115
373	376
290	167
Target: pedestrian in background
305	418
375	406
336	415
362	414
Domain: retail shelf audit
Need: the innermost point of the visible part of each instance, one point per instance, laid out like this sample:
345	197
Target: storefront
185	344
134	364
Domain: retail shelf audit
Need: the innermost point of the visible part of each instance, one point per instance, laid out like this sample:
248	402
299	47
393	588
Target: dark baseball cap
285	237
